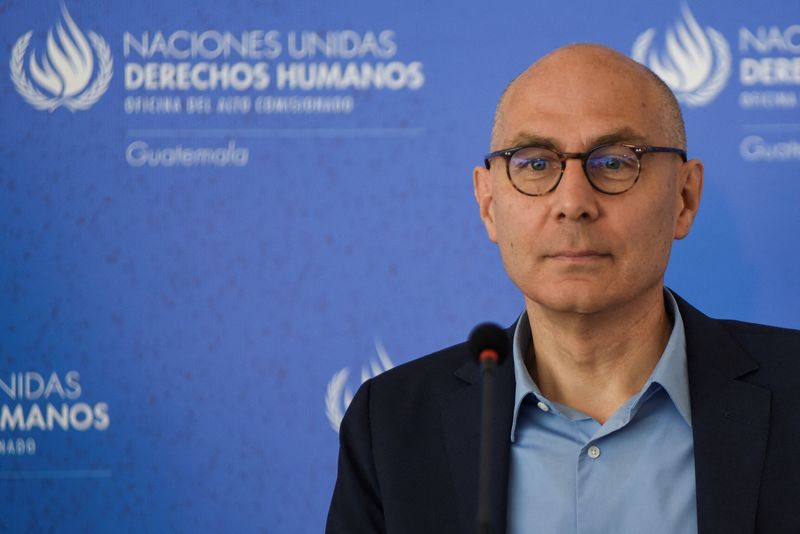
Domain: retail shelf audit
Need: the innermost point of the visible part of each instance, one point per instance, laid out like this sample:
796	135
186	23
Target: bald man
623	409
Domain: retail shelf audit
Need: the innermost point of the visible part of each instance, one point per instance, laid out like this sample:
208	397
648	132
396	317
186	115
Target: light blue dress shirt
632	475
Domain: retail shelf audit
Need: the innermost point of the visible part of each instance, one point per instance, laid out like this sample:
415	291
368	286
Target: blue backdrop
216	219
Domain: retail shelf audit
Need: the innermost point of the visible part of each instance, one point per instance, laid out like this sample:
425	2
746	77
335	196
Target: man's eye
611	163
538	164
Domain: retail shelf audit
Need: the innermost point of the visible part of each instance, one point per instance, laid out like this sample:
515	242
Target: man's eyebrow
528	139
625	134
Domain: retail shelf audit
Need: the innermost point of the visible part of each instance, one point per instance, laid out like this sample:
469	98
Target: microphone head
487	341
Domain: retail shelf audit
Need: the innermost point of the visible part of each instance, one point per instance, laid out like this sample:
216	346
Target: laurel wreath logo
83	100
715	82
338	396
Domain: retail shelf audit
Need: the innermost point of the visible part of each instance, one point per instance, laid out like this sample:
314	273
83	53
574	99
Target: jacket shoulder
443	360
744	329
429	373
776	350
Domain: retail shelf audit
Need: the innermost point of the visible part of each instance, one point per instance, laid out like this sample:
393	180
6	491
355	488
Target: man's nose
575	198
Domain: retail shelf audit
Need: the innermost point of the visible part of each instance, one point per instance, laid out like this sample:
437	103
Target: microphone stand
488	358
488	342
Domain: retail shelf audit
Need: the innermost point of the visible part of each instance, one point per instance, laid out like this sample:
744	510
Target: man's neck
595	362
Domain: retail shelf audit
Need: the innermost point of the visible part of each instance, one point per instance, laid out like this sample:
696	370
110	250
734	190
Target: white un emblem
339	395
695	63
65	74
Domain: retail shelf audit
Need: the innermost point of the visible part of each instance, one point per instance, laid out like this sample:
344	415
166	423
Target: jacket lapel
730	422
461	415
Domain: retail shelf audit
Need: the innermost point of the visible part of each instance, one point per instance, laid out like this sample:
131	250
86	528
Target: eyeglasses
610	169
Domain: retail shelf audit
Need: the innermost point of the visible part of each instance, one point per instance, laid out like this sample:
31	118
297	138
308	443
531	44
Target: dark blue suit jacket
408	460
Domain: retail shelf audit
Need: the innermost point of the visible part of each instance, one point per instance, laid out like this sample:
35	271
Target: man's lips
577	255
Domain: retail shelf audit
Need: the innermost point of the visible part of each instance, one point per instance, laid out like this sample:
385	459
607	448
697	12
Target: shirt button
542	406
593	452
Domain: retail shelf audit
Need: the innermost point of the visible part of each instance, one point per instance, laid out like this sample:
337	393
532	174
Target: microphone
489	344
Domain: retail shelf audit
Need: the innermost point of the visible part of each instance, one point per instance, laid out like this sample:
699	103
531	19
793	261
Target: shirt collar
671	371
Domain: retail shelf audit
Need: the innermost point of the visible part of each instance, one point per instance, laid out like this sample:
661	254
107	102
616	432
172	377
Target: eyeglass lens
612	169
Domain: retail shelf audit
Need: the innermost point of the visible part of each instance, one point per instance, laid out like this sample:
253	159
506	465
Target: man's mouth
578	255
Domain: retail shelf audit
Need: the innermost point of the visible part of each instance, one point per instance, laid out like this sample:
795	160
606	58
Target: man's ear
484	195
691	189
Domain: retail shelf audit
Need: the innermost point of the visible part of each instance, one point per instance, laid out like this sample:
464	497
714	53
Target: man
623	409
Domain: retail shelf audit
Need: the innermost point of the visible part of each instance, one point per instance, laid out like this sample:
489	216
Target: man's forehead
570	89
622	134
571	123
591	59
583	75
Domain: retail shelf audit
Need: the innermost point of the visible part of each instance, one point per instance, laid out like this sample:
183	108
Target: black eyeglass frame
638	150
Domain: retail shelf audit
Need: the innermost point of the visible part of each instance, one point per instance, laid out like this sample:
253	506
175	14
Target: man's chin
587	297
573	299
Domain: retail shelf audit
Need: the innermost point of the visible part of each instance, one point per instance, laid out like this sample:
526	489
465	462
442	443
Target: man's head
576	249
